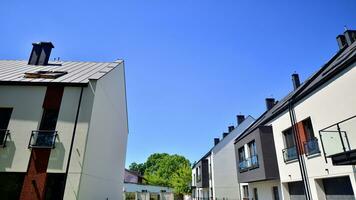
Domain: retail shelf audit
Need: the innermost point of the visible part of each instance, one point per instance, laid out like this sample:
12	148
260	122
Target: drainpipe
73	136
301	159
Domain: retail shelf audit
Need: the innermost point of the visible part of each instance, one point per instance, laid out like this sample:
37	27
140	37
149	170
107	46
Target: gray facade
202	174
265	167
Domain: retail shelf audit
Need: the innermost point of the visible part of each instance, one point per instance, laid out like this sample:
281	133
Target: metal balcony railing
290	154
4	133
339	137
249	163
43	139
311	147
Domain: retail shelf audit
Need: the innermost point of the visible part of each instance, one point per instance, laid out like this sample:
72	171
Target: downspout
301	161
73	137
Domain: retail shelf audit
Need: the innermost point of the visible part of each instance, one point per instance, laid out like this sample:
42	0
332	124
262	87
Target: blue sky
191	66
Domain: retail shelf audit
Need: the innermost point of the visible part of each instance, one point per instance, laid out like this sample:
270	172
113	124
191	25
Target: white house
63	128
308	137
214	175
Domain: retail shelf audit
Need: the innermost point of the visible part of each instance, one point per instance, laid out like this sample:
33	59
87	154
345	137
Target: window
311	145
245	192
5	115
289	138
275	193
11	185
253	161
308	129
290	152
255	193
45	74
55	186
46	136
243	164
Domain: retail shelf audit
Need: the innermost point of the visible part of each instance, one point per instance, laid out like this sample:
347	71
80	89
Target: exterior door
338	188
296	191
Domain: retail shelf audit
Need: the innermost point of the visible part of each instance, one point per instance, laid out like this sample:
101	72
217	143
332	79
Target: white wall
224	166
264	189
26	115
132	187
103	167
333	102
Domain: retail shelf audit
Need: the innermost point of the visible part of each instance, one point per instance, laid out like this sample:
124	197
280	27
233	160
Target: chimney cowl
41	51
225	134
295	80
350	36
216	141
231	128
341	41
240	119
270	102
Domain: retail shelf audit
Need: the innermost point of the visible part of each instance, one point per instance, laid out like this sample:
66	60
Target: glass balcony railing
311	147
43	139
3	137
248	163
339	137
290	154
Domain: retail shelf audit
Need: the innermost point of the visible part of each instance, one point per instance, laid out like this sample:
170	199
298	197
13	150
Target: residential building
313	130
257	168
224	179
313	135
214	175
63	128
136	189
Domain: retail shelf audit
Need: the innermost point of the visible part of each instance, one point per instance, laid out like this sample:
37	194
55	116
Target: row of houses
63	128
302	147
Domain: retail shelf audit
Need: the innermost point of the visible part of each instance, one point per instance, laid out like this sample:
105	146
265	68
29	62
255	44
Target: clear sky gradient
191	65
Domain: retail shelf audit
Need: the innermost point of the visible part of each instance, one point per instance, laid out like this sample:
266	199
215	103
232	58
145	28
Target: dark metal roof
13	72
340	61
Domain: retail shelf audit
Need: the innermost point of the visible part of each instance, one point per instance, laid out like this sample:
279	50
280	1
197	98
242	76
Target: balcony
339	142
290	154
42	139
248	164
3	137
311	147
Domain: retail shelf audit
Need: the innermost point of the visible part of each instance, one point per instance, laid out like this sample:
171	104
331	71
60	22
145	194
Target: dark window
338	188
289	138
275	193
55	186
308	128
245	192
242	156
252	148
255	193
296	190
5	115
45	137
11	185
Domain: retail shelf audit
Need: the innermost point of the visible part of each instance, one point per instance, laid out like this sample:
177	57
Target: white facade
333	102
98	154
224	171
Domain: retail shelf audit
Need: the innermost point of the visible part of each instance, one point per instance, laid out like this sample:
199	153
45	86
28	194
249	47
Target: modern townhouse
214	175
63	128
314	130
311	132
256	161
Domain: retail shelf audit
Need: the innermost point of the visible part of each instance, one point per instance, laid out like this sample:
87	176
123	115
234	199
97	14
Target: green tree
140	168
166	170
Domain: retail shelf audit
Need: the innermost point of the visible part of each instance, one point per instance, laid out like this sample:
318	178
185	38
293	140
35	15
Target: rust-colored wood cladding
34	185
302	137
53	97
